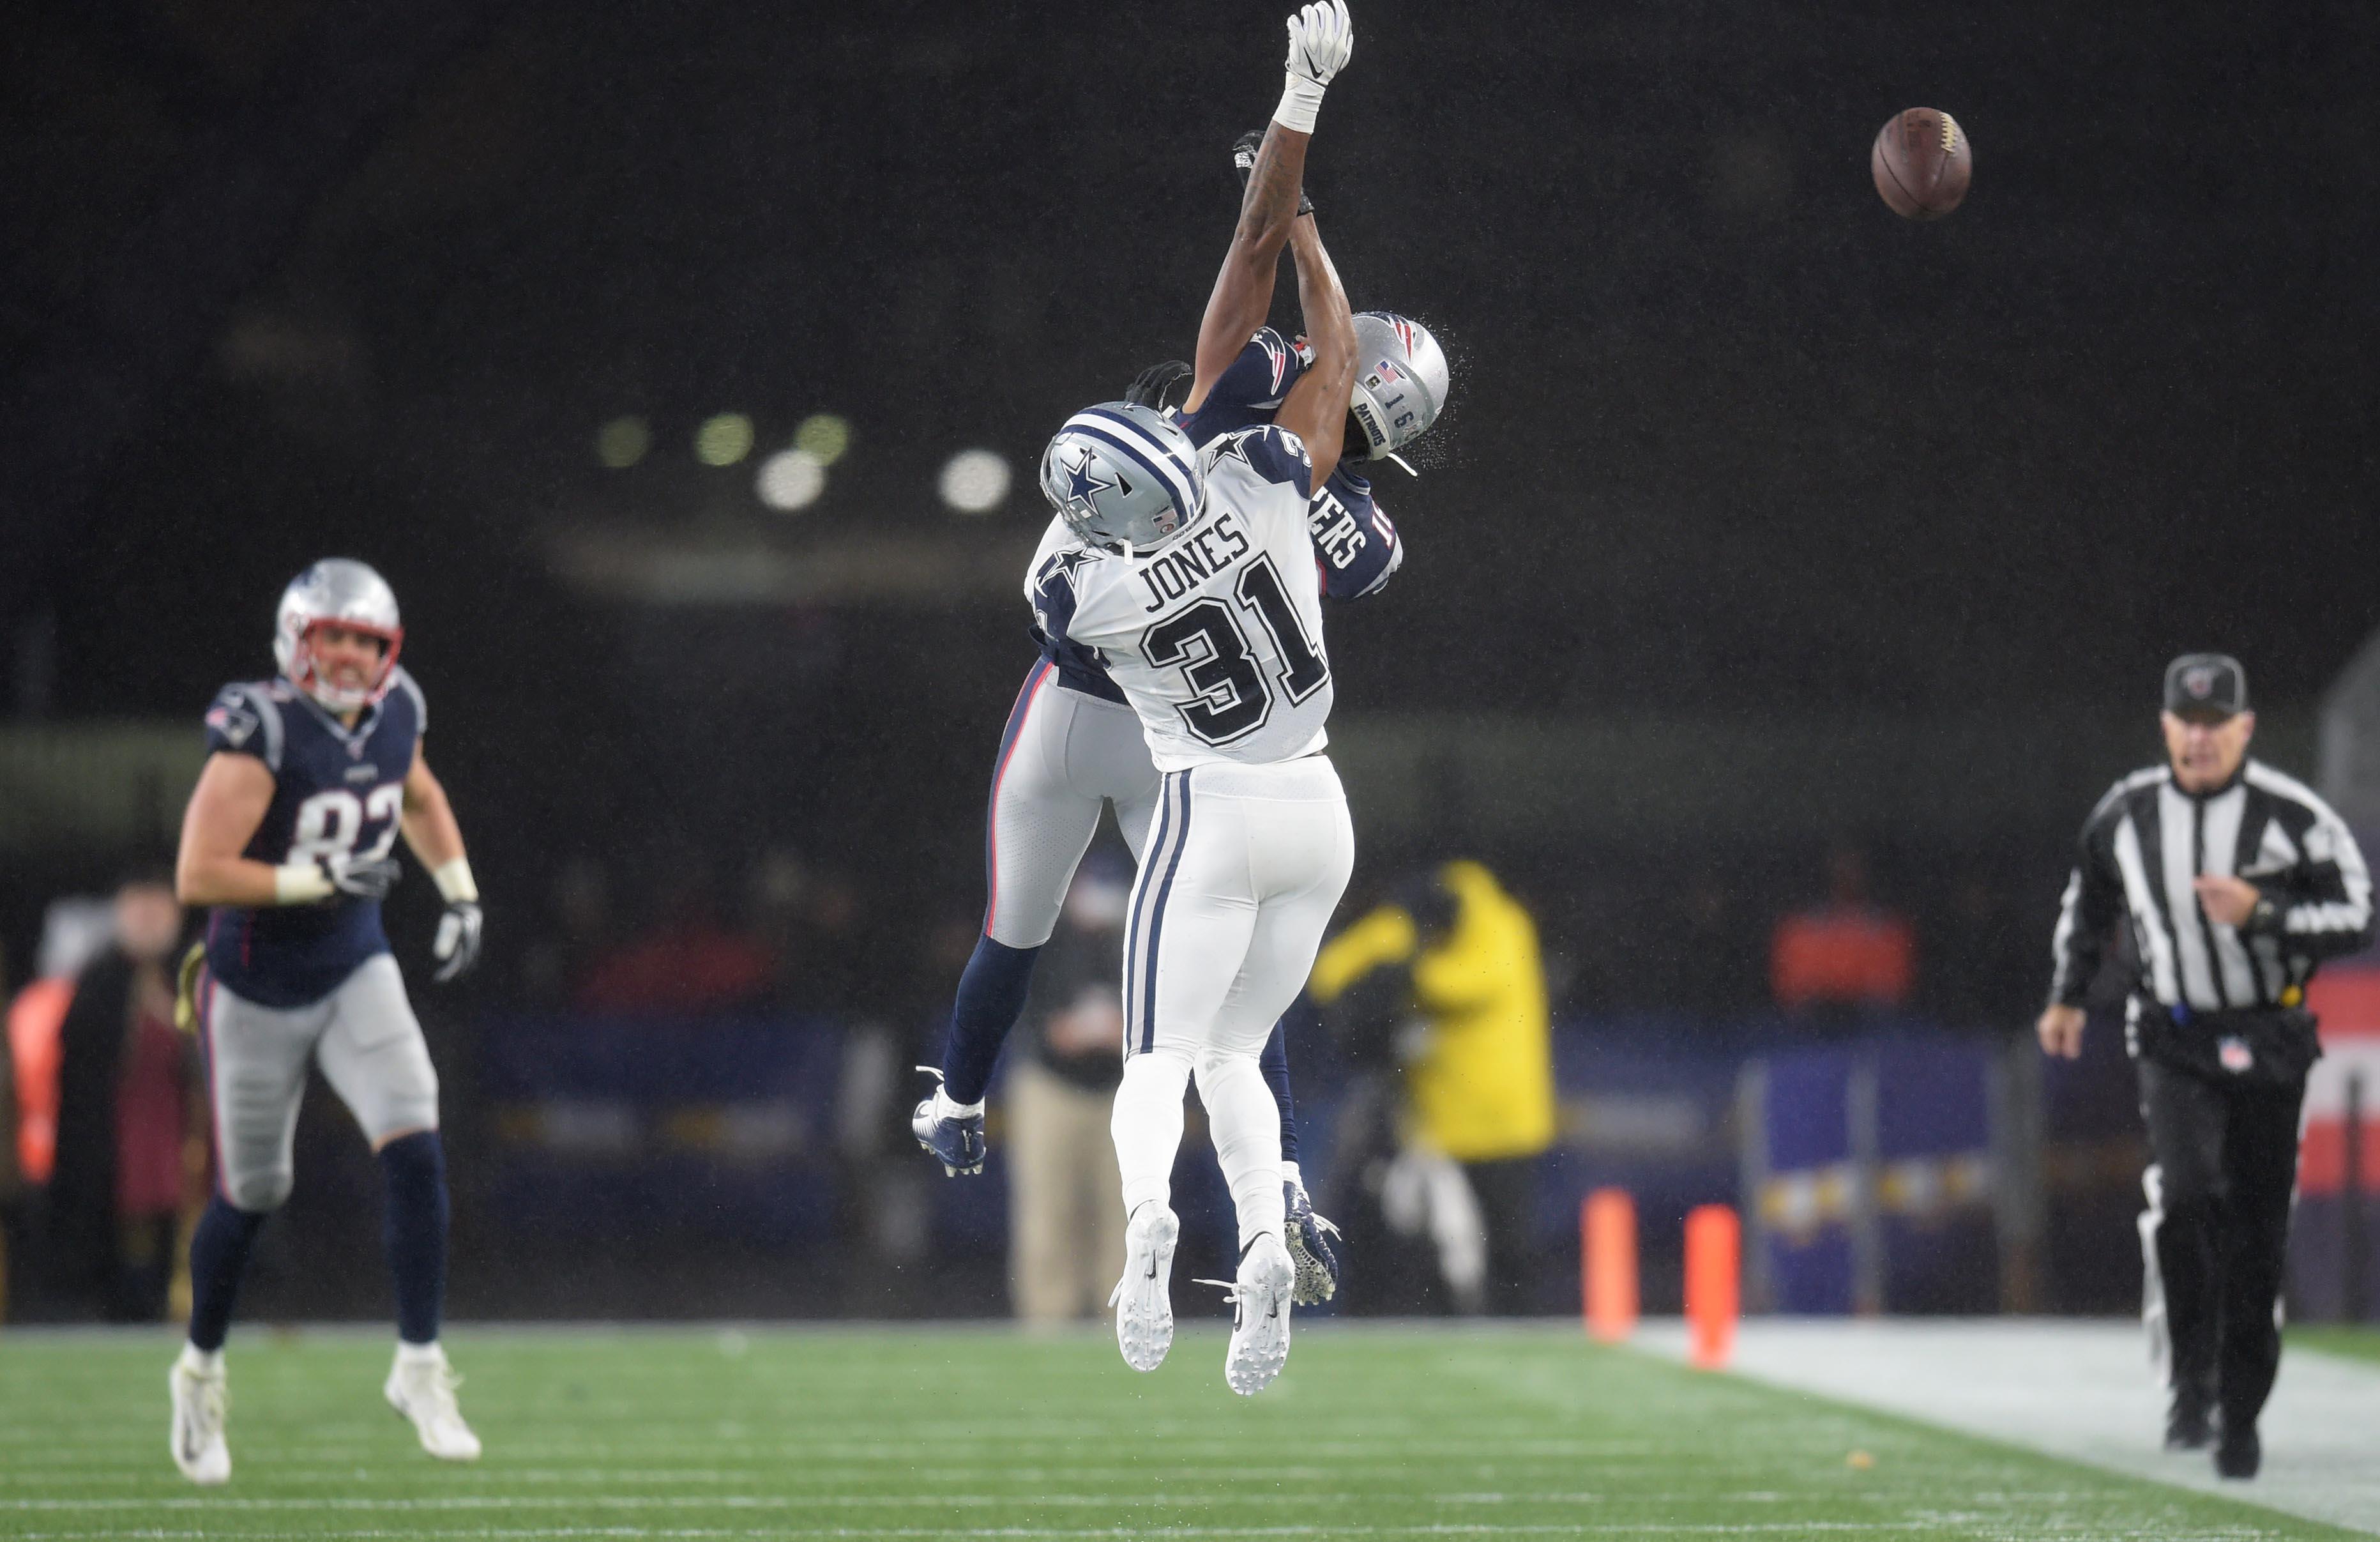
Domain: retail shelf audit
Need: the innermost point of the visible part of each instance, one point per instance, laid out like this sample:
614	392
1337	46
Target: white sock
946	1106
1246	1121
419	1354
1147	1125
202	1362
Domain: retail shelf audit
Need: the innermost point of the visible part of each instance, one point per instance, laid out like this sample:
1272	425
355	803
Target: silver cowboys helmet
1401	381
338	592
1123	476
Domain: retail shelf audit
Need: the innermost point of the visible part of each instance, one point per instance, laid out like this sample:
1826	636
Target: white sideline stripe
2080	1391
1918	1528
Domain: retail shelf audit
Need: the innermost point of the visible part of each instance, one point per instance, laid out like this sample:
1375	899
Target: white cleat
422	1388
201	1399
1260	1298
1144	1297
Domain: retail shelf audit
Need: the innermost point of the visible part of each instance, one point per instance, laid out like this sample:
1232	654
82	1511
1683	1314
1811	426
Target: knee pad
258	1192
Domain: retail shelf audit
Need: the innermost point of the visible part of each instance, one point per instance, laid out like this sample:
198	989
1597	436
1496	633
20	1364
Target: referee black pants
2227	1166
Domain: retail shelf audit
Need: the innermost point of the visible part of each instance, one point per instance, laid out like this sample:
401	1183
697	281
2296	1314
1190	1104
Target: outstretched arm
1316	409
1320	39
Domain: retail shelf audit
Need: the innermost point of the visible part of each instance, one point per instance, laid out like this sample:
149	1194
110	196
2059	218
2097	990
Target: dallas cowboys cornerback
309	778
1072	744
1190	585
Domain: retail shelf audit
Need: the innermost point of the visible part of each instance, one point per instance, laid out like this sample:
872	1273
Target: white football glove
1321	38
456	947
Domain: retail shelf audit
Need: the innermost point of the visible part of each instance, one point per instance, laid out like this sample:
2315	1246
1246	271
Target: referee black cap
2206	687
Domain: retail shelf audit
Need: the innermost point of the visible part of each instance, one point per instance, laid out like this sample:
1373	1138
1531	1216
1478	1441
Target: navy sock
219	1251
991	998
414	1229
1273	1060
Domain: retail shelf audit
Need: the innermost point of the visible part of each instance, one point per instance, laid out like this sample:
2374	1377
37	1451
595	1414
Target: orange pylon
1607	1263
1714	1269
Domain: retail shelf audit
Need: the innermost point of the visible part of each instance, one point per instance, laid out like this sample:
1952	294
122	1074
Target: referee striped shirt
2148	838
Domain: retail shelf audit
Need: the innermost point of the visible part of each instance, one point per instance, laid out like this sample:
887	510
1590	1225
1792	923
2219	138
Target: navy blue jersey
336	792
1355	547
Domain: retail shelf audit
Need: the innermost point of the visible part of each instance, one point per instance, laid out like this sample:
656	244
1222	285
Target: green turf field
2356	1343
953	1433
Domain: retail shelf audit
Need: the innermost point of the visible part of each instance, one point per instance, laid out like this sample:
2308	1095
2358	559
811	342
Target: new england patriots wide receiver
309	778
1189	584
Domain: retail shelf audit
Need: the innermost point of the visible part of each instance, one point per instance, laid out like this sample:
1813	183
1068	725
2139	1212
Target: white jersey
1216	637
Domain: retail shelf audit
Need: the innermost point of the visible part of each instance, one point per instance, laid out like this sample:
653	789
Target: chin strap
1403	462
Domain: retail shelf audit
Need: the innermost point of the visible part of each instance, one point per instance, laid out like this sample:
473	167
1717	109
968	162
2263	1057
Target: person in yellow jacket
1478	1104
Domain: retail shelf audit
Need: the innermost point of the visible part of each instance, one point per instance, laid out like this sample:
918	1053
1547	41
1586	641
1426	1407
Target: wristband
454	881
1301	99
301	883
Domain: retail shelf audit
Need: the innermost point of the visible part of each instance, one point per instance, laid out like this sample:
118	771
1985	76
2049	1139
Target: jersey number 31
1206	639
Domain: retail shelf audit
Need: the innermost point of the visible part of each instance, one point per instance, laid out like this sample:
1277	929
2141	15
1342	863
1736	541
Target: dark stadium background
1734	452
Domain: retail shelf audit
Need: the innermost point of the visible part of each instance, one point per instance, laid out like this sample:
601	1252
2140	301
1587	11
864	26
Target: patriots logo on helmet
1275	354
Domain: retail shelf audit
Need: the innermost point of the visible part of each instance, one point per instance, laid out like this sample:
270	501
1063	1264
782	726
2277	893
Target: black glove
1244	161
362	877
456	947
1150	387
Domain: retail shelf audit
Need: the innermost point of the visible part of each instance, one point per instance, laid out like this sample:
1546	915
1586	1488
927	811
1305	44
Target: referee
2237	881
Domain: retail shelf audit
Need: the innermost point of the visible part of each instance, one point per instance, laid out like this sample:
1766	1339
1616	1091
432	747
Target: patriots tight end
309	778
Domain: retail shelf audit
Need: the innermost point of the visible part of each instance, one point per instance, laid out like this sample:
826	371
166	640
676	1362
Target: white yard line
2079	1390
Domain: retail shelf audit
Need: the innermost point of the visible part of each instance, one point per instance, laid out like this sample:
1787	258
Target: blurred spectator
554	966
130	1117
1478	1093
813	923
1979	959
1065	1218
1845	955
687	961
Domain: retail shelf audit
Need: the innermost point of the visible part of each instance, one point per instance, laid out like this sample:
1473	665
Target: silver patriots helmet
1123	476
336	591
1401	381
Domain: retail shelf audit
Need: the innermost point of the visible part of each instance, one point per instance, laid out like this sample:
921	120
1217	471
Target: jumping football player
1073	743
1190	582
309	778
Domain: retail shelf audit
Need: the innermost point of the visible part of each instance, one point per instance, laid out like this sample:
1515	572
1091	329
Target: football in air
1922	163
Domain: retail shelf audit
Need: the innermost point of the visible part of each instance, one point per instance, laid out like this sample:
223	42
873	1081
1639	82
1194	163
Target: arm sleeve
1355	545
1248	391
2326	900
2086	912
242	720
1279	456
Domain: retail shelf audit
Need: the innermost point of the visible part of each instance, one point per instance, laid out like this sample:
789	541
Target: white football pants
1245	866
1063	754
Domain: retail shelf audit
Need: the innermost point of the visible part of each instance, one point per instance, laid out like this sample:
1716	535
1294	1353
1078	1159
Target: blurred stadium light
623	442
791	480
723	439
975	482
823	437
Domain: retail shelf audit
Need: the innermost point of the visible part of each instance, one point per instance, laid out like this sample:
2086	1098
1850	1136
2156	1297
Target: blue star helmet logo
1080	482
